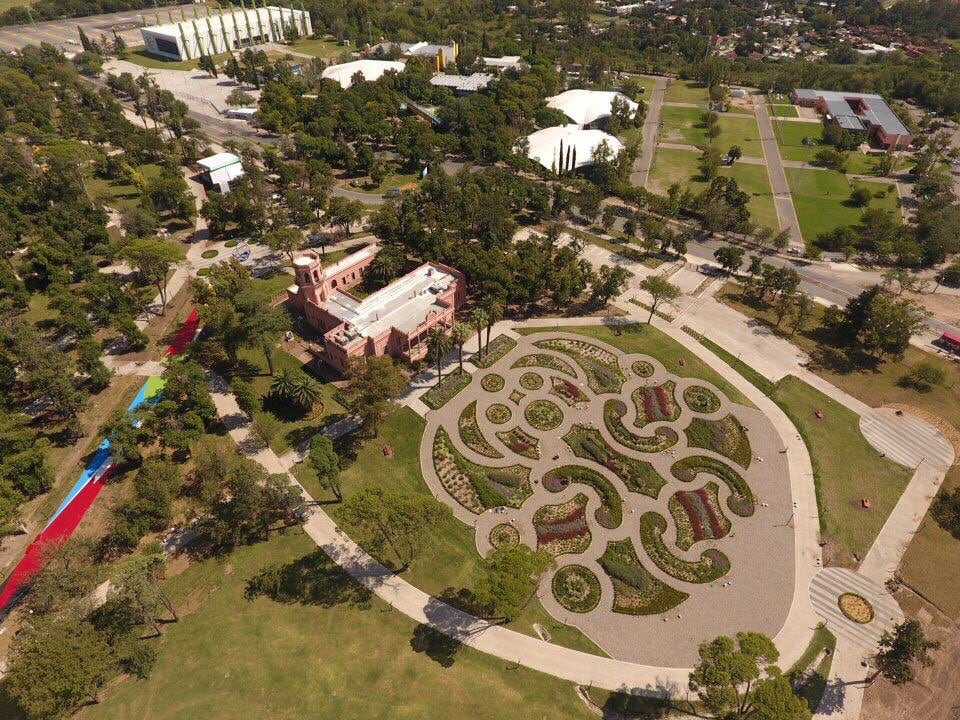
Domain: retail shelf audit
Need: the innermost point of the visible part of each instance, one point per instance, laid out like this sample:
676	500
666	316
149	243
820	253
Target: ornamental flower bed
855	607
543	415
698	516
643	369
701	399
531	381
601	366
499	414
638	475
475	487
567	391
655	404
492	382
520	442
504	535
471	434
635	590
610	512
516	396
550	362
496	349
439	395
725	437
711	565
741	500
576	588
662	438
562	529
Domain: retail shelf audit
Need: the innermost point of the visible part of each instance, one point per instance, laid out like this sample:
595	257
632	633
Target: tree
479	317
326	464
494	310
508	577
660	290
783	303
897	651
880	324
730	258
608	284
209	66
439	343
248	399
803	310
400	522
860	196
925	375
459	335
296	387
287	240
239	98
67	576
139	583
153	258
709	163
734	153
343	212
607	217
374	383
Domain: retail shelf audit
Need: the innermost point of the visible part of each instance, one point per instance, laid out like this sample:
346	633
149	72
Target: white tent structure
220	169
585	107
568	147
370	69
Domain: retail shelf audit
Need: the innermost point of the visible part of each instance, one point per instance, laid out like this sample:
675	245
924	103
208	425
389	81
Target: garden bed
643	369
499	414
725	437
504	535
655	404
711	565
662	438
471	434
610	512
441	393
475	487
543	415
701	399
520	442
567	391
516	396
601	366
855	607
741	500
492	382
562	529
698	516
638	475
576	588
531	381
496	349
635	590
543	360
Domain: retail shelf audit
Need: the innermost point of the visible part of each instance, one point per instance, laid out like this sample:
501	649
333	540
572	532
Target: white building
370	70
585	107
568	147
224	32
220	169
507	62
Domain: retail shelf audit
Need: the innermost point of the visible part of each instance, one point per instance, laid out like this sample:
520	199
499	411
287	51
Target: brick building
859	113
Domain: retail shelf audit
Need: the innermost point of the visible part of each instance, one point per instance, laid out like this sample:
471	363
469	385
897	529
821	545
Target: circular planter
504	535
576	588
701	399
543	415
855	607
643	368
492	382
231	243
499	414
207	254
531	381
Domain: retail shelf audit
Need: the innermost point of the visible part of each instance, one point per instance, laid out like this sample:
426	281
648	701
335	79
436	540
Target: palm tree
284	384
479	318
494	310
306	392
459	335
439	344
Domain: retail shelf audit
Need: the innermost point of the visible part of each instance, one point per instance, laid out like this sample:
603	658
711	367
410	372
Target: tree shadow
834	697
313	579
440	648
619	706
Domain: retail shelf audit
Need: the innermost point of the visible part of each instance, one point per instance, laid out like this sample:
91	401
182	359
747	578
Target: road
782	199
651	129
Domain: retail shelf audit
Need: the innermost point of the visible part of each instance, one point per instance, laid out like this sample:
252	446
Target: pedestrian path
905	438
825	590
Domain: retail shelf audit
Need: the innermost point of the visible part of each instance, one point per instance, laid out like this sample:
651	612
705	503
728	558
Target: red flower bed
715	525
665	407
695	523
648	408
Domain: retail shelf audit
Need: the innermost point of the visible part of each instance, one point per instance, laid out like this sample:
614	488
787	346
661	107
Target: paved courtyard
662	558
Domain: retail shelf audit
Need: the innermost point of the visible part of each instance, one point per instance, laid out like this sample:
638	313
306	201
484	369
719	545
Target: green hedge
498	347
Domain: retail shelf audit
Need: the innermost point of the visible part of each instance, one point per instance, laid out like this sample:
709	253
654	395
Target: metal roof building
463	84
858	112
220	169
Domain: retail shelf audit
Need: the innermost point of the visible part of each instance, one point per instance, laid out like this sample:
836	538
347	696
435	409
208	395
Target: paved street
651	130
782	199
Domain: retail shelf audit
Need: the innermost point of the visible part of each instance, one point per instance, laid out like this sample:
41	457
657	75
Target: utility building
225	31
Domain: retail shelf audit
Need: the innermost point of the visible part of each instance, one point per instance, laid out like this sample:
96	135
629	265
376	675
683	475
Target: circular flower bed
576	588
855	607
207	254
701	399
543	415
531	381
504	535
643	368
492	382
499	414
231	243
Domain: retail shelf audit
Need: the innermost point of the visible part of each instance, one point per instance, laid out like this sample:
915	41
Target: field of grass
318	48
647	83
642	338
670	166
785	111
321	650
821	198
452	559
119	195
686	91
140	56
7	4
683	125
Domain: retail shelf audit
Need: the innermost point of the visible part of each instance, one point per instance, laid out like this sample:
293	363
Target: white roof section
545	145
505	62
218	161
586	106
229	20
463	83
370	70
404	304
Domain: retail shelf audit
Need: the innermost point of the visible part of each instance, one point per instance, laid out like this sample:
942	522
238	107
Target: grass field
687	91
119	195
140	56
812	689
786	111
821	199
641	338
318	48
647	82
683	125
452	559
320	650
670	166
7	4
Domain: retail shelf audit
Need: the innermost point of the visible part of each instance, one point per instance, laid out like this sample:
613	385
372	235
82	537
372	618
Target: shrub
610	512
543	415
925	375
725	437
643	369
637	475
504	535
208	254
264	429
499	414
497	348
247	397
520	442
471	434
440	394
545	361
701	399
712	564
740	501
531	381
635	590
662	438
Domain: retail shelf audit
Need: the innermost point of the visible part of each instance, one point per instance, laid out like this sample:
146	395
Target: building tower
309	274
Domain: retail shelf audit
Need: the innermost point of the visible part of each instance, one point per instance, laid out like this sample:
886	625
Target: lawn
140	56
452	559
931	564
683	125
319	651
785	111
646	339
119	195
318	48
647	83
7	4
670	166
812	689
821	198
687	91
790	136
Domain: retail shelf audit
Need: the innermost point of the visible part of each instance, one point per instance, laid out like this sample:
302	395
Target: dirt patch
835	554
942	305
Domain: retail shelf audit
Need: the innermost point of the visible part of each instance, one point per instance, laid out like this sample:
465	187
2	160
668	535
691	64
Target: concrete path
651	130
825	591
782	199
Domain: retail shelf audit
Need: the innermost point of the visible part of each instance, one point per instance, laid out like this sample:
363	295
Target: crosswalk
905	438
825	590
